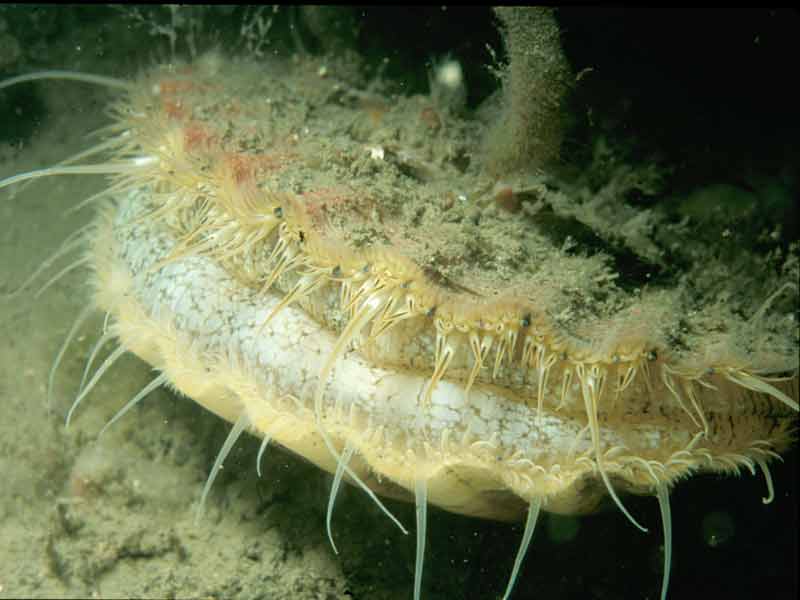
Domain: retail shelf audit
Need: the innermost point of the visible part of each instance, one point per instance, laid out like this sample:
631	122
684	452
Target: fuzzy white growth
449	74
210	63
448	89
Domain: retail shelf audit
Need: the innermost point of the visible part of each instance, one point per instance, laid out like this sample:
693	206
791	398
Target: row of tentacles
212	201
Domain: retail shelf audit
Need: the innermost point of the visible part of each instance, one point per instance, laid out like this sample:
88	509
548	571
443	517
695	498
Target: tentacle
768	478
590	385
84	314
689	390
662	493
95	378
114	142
421	503
347	453
304	286
757	384
370	307
130	166
765	306
238	427
443	356
530	525
70	267
74	240
93	354
666	377
481	346
111	82
155	383
545	363
261	449
117	188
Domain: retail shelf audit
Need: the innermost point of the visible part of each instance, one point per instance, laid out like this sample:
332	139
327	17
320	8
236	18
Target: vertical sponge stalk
535	82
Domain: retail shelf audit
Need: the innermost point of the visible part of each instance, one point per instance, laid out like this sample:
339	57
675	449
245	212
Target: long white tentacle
241	423
155	383
95	378
662	493
530	526
421	501
347	453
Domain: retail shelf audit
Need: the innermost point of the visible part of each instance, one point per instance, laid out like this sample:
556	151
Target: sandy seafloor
114	518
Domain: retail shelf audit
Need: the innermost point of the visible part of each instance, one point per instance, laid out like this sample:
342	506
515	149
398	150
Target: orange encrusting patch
198	138
321	201
174	95
248	167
